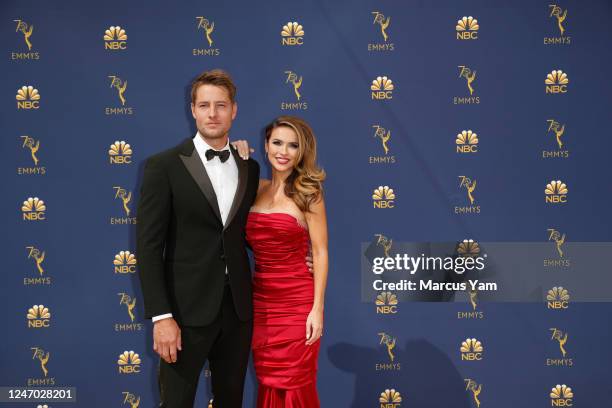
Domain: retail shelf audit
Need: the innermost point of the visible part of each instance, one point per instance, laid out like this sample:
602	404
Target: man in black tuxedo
193	264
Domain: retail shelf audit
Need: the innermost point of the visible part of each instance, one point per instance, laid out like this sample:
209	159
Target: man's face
213	111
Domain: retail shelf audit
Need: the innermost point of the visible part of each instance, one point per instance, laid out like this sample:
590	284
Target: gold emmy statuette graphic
28	97
38	316
39	258
388	341
26	30
33	145
390	398
561	338
297	83
292	34
379	19
382	88
125	262
557	298
386	303
120	85
125	299
557	129
556	82
556	192
473	293
129	362
474	388
43	358
467	28
561	396
560	14
386	243
471	350
208	27
383	135
469	75
131	399
120	152
115	38
125	196
33	209
470	186
559	239
467	142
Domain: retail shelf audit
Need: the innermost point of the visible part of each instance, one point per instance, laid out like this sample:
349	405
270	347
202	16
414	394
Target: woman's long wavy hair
305	183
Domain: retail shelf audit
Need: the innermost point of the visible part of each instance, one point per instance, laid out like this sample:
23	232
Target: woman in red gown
288	218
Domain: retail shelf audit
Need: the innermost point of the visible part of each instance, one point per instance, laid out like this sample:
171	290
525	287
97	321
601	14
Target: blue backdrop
79	76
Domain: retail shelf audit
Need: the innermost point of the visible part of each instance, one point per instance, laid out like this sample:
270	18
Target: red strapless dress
283	291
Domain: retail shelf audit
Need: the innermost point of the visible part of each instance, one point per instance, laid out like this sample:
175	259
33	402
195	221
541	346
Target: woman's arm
317	227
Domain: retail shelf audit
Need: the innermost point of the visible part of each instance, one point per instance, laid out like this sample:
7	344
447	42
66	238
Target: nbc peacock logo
467	142
125	262
129	362
555	192
468	248
386	303
120	152
292	34
561	396
556	82
557	298
34	209
383	197
467	28
38	316
471	350
28	98
390	398
115	38
382	88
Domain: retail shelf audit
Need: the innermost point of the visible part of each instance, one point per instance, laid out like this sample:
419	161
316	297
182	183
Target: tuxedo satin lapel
196	168
243	177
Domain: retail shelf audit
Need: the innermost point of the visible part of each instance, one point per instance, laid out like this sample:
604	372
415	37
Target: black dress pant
226	344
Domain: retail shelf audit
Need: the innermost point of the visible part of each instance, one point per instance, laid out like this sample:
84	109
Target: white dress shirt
224	179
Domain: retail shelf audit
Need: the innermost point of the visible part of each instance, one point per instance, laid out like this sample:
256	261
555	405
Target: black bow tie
223	154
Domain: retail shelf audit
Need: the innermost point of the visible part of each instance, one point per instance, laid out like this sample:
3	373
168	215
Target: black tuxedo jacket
183	247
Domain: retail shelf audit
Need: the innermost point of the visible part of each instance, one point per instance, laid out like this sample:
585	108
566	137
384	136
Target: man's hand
167	339
243	148
309	263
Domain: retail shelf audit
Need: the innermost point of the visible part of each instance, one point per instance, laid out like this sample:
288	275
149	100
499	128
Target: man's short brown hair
216	77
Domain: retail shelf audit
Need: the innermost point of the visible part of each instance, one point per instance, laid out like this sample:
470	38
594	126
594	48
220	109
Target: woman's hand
314	326
243	148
